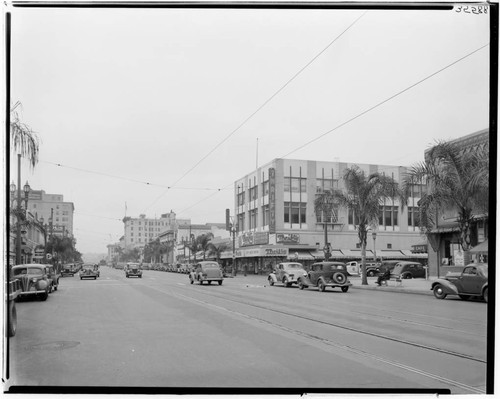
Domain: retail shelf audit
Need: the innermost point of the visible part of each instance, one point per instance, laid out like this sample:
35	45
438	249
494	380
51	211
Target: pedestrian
384	276
244	269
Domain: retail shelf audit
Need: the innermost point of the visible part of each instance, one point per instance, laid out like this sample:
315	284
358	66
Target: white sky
145	94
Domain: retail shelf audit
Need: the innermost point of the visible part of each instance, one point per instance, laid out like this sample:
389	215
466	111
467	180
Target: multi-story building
445	251
53	210
139	231
275	216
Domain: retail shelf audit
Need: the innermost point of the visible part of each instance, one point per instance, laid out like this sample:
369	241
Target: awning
390	254
445	229
480	248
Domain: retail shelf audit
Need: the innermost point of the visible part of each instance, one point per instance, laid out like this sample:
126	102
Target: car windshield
28	270
211	265
294	266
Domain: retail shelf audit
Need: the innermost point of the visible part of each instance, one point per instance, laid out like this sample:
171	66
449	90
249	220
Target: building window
294	184
241	222
265	188
388	216
295	212
253	193
413	216
321	217
253	219
323	185
241	198
352	218
389	246
265	215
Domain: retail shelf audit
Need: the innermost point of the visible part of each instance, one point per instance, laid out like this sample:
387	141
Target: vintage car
14	292
133	269
354	268
206	271
471	282
34	280
406	270
326	274
286	273
68	270
87	271
54	277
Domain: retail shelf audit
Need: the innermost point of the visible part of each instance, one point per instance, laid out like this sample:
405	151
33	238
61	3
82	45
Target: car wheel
220	282
209	282
339	278
439	292
286	283
321	286
12	319
407	276
55	287
301	284
271	281
485	294
464	297
344	289
95	278
370	273
191	280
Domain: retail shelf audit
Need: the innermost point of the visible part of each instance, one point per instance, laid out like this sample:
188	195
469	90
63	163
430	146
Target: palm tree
24	139
204	243
325	207
363	196
456	179
217	249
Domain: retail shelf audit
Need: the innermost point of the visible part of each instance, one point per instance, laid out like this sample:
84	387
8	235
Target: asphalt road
160	331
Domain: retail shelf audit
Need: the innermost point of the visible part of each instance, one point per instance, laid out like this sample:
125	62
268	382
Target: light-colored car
133	269
206	271
34	280
287	273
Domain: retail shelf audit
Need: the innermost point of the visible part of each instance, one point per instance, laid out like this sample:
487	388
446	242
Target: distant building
53	210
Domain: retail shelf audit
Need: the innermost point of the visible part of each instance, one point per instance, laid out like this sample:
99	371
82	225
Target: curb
395	289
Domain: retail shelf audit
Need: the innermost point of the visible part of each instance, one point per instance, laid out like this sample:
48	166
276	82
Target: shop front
255	260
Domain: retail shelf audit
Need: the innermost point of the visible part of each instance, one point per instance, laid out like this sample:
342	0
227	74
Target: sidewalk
409	286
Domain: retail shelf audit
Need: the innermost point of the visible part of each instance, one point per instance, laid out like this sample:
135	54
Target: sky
129	102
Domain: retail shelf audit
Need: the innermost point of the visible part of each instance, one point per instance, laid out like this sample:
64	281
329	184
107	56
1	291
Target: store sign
276	251
458	258
272	200
254	238
257	252
287	238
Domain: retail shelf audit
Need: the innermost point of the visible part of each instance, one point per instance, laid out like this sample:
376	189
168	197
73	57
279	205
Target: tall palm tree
456	179
24	139
363	196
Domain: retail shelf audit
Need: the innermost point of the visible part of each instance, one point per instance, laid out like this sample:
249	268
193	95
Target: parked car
388	265
34	280
206	271
14	292
68	270
406	270
87	271
53	277
133	269
286	273
326	274
472	281
354	268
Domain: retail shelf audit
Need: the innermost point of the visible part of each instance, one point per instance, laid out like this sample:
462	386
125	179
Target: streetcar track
337	345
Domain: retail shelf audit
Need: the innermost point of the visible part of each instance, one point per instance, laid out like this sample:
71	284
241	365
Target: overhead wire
367	110
260	107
